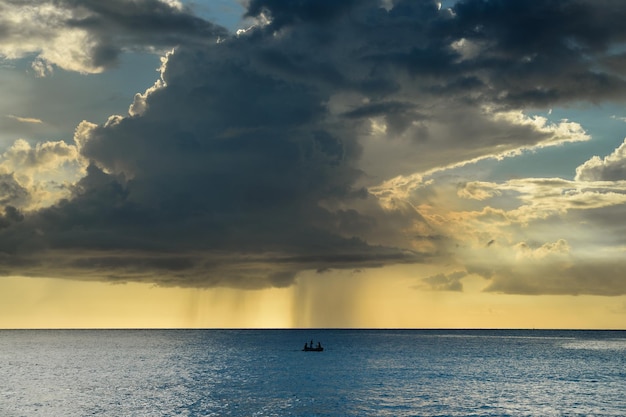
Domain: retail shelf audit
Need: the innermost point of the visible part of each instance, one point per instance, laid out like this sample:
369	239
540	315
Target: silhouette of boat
313	349
309	347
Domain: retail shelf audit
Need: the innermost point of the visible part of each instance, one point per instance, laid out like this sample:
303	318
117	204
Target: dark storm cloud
545	52
242	167
437	77
219	189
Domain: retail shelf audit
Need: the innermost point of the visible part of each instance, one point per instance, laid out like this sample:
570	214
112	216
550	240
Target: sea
66	373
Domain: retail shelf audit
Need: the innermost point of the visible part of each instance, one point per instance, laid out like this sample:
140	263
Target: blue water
265	373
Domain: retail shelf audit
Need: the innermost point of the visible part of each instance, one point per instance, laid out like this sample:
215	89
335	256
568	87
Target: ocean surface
265	373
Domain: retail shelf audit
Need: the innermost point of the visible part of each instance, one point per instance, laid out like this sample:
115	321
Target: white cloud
41	29
564	131
46	171
139	105
541	198
609	168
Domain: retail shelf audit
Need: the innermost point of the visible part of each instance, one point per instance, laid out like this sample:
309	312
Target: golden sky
383	299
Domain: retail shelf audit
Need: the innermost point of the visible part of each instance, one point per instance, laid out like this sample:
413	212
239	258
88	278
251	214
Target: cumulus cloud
609	168
42	173
294	145
528	236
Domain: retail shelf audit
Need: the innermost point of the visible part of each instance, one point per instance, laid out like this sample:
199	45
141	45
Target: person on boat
319	345
306	345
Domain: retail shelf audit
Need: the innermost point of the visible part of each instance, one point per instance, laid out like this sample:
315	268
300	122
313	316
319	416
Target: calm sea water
264	373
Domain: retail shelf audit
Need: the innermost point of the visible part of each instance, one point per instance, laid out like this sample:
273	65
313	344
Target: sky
312	163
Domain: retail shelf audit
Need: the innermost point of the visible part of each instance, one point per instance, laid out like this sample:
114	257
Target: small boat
313	349
309	347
